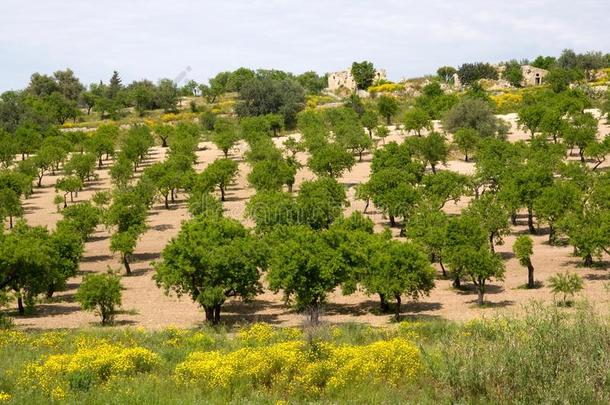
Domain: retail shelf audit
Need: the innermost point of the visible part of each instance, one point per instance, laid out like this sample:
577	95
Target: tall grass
549	355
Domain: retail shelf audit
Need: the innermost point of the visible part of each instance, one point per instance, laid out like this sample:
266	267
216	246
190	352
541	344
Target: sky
182	39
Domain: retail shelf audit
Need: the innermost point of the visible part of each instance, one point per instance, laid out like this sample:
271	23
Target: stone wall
345	80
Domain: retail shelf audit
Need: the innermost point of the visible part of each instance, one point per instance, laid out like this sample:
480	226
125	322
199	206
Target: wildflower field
549	356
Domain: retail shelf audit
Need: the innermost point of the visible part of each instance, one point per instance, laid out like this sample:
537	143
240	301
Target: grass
549	355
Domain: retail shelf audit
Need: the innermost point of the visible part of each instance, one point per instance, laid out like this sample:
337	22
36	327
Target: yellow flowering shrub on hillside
296	366
386	88
99	363
507	102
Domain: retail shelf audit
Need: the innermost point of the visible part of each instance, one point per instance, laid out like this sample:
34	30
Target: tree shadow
470	289
489	304
361	308
95	258
46	310
161	227
236	311
507	255
148	256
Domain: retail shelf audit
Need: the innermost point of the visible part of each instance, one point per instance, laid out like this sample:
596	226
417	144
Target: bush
100	293
567	284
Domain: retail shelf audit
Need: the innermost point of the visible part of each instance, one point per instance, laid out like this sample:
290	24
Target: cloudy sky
154	39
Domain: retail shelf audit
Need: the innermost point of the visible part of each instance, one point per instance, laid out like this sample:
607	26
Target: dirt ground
146	305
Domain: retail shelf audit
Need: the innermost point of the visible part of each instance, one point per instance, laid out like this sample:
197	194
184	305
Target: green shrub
100	293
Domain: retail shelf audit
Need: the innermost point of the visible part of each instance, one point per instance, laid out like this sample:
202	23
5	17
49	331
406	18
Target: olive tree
100	293
523	249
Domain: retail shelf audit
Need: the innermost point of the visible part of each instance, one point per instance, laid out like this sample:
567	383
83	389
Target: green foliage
212	259
387	107
513	73
330	160
100	293
567	284
467	140
305	268
472	72
320	202
416	119
84	217
445	73
475	114
363	74
219	173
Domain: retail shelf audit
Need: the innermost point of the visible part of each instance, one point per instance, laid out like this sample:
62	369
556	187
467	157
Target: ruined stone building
532	76
345	80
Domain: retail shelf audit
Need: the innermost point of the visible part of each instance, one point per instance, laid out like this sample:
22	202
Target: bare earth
146	305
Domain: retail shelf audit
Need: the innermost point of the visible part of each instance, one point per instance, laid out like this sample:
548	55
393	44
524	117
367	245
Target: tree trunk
164	142
551	234
457	283
389	119
360	155
99	162
366	205
530	221
216	314
222	193
480	293
513	218
588	260
40	181
397	308
10	222
530	275
392	220
582	155
20	307
383	304
466	156
166	202
314	313
433	168
491	242
209	314
440	261
126	264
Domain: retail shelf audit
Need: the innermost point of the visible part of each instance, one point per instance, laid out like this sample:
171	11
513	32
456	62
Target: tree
475	114
143	96
523	249
581	130
369	120
269	209
265	95
204	203
312	82
82	166
467	140
219	173
164	132
69	185
472	72
100	293
445	73
27	263
428	228
167	95
212	259
482	265
100	144
8	149
393	193
363	74
352	137
320	202
69	246
531	117
305	268
125	244
416	119
330	160
464	233
513	73
433	150
399	268
387	107
84	217
492	215
271	175
554	203
567	284
10	205
225	135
